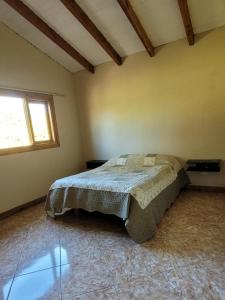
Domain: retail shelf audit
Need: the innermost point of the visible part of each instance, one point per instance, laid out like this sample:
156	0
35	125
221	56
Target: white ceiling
160	18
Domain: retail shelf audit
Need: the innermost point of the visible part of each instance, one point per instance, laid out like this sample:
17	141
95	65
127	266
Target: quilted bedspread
137	188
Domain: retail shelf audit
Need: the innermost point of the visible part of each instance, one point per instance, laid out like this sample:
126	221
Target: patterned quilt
143	176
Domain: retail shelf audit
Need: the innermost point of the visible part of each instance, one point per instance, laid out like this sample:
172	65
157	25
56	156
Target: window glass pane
39	121
13	126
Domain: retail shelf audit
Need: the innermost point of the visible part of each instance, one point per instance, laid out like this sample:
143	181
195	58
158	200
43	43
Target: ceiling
160	18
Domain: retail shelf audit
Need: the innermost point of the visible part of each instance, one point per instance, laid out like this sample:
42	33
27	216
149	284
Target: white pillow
149	160
169	160
121	161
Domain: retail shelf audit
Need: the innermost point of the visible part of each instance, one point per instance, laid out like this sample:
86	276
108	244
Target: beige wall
26	176
173	103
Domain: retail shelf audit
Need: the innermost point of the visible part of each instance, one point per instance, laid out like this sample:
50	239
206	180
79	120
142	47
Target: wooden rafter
83	18
135	22
30	16
184	10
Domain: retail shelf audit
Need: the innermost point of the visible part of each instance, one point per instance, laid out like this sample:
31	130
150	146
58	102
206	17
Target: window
27	122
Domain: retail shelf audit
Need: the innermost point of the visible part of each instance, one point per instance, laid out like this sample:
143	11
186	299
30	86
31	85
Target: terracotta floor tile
74	251
184	260
105	294
10	253
156	288
83	278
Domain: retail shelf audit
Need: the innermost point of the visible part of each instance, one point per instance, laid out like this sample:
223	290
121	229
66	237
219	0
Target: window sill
40	146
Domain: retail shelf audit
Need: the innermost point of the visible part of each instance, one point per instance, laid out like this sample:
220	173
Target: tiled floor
90	256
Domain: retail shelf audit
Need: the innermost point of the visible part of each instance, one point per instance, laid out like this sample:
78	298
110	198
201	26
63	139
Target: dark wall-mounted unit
201	165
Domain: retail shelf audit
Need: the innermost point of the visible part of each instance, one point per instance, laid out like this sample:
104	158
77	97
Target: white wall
27	176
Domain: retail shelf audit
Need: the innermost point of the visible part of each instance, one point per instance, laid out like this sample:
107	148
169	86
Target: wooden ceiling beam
30	16
135	22
83	18
184	10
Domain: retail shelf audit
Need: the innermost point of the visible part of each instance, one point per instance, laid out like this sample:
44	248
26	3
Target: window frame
34	97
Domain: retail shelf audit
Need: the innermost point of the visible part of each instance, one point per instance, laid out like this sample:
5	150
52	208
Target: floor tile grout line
60	270
10	288
20	255
96	290
41	270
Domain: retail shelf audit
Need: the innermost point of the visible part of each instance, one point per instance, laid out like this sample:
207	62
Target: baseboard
21	207
218	189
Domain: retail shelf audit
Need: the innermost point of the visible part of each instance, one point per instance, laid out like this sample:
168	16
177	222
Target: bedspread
118	188
143	183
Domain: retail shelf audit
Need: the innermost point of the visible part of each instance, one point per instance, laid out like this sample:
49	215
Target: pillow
169	160
121	161
149	160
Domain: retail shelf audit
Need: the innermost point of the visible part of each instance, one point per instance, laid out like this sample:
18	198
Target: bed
135	187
